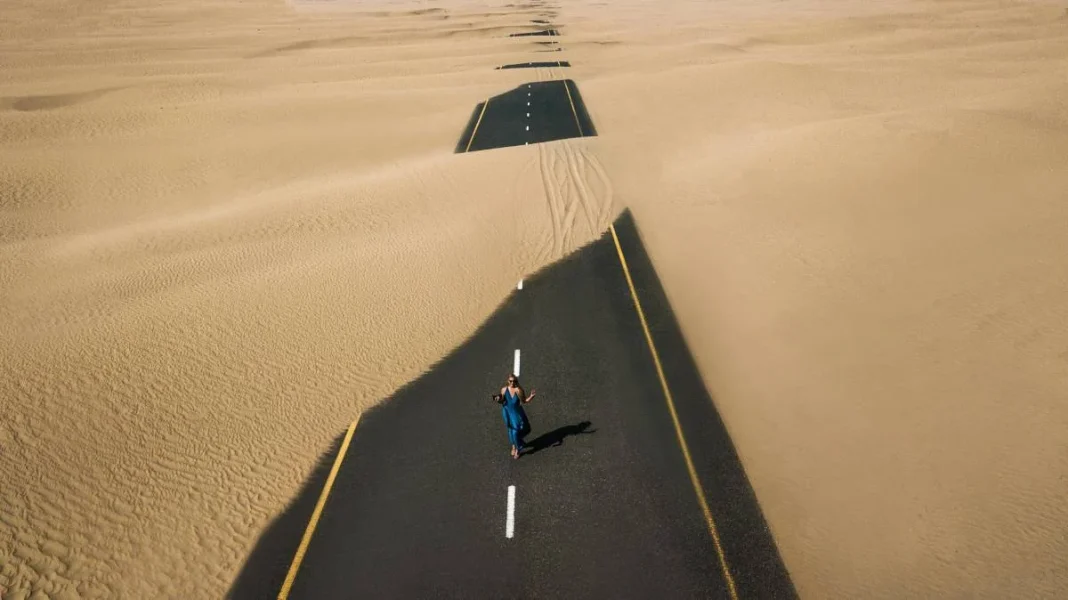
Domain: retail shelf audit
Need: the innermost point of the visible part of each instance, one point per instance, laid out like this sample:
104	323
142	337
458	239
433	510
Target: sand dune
226	227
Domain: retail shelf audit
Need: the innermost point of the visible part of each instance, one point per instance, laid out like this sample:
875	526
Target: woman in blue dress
513	397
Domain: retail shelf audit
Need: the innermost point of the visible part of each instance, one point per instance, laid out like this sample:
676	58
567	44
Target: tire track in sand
573	182
552	203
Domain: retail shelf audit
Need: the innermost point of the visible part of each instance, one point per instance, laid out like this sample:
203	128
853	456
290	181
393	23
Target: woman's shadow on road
556	437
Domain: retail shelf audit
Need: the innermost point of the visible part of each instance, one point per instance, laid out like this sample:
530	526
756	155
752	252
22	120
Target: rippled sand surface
226	227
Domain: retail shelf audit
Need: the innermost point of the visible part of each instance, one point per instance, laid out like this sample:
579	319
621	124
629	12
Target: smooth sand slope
225	227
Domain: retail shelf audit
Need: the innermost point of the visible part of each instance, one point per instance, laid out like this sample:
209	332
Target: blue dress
515	419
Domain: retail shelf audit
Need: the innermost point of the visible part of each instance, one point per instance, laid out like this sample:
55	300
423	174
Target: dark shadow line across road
544	32
536	65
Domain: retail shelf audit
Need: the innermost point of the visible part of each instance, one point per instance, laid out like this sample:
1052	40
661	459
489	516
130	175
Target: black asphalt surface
534	65
555	108
604	505
546	32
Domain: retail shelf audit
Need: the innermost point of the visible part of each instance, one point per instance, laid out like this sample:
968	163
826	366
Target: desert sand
227	227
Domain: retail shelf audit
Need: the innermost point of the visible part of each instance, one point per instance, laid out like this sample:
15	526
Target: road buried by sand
617	518
226	228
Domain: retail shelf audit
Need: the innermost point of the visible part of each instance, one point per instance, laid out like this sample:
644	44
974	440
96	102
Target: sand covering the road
225	227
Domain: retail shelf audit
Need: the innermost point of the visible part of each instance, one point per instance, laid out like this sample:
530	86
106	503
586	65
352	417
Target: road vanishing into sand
631	487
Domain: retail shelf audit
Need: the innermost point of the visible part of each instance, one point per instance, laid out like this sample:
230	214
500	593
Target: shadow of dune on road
265	569
751	551
53	101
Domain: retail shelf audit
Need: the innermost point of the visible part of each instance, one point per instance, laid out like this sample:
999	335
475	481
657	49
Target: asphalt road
535	112
543	32
537	65
604	507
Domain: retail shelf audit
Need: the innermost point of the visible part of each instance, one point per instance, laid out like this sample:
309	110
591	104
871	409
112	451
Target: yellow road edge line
292	575
678	428
574	112
477	123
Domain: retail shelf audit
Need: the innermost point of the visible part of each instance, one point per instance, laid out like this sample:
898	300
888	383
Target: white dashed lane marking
509	521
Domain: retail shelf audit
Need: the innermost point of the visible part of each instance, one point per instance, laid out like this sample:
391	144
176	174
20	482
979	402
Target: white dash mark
528	115
528	127
509	522
515	371
528	103
520	286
